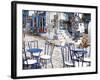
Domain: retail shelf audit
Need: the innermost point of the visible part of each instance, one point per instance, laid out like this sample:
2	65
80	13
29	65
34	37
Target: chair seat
87	59
69	63
30	61
36	54
46	57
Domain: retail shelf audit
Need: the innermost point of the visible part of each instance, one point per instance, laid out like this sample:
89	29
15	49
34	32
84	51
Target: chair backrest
24	58
33	44
67	53
71	53
88	49
71	46
49	48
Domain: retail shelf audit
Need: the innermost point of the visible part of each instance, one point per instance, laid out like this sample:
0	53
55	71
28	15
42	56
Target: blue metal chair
74	56
28	63
34	50
67	57
87	56
78	53
46	58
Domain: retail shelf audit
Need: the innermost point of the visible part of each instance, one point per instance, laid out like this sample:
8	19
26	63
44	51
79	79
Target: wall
5	40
